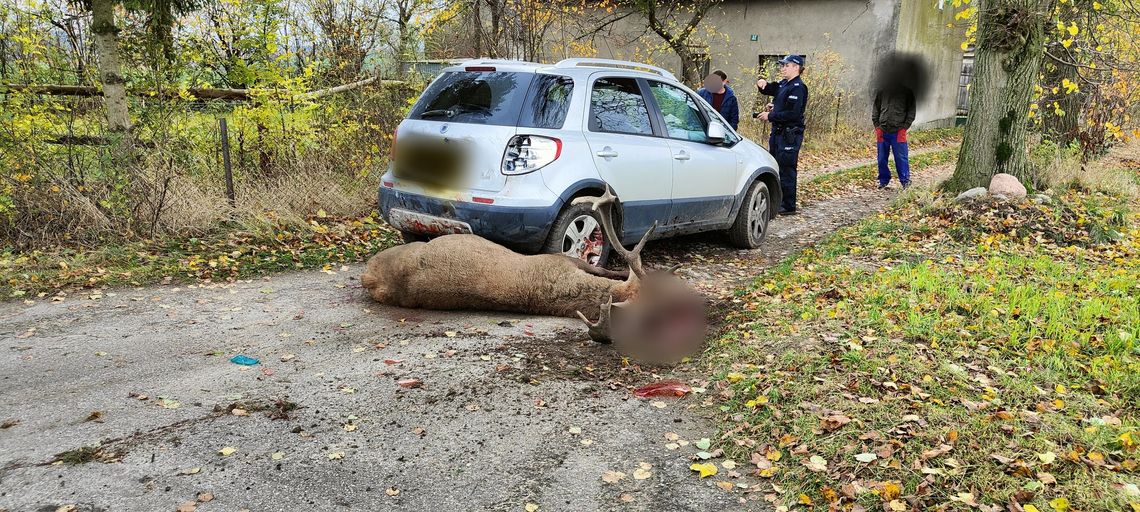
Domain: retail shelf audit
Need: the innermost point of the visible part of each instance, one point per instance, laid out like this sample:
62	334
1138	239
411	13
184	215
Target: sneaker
906	185
786	212
882	186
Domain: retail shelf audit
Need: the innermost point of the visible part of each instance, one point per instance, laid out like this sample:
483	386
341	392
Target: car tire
410	237
566	234
752	219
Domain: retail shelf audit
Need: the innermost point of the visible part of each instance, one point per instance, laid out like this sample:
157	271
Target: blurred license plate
414	222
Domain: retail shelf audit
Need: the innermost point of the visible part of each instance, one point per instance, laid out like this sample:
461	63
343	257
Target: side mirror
716	133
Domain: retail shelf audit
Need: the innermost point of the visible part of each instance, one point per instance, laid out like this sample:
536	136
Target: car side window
616	106
682	115
548	102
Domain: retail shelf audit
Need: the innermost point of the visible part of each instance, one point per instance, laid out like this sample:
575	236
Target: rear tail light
529	153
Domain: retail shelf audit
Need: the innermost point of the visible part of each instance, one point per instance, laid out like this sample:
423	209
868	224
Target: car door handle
607	152
681	156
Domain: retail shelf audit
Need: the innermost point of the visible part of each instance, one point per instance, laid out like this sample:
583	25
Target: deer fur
455	272
469	272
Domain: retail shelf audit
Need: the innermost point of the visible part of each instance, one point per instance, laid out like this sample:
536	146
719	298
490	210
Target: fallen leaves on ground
977	354
276	245
705	469
612	477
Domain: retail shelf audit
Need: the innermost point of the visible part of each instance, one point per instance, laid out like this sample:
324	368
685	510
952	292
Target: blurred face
789	70
713	83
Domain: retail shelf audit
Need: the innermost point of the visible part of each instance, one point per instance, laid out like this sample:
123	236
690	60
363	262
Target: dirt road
512	411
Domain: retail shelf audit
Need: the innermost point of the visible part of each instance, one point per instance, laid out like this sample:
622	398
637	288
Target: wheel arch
769	177
592	187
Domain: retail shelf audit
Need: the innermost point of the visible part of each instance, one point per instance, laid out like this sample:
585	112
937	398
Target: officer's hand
761	83
764	116
769	107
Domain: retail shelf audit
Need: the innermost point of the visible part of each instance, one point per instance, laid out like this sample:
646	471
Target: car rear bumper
523	229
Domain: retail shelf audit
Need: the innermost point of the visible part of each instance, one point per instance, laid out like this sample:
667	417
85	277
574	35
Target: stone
1007	185
970	195
1042	199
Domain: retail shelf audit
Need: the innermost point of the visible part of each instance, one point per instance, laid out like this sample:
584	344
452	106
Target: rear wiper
434	113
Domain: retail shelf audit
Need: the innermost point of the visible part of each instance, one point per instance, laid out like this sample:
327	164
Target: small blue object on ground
243	360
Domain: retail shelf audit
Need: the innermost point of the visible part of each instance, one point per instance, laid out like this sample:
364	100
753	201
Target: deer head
661	319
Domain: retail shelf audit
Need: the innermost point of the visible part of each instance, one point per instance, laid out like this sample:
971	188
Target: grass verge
944	357
865	176
272	246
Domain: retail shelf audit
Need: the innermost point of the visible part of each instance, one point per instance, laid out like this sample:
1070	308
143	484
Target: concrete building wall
858	31
926	30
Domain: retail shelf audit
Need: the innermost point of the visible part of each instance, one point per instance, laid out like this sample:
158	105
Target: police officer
787	118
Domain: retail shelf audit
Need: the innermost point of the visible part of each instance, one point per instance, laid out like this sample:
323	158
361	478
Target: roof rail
609	63
486	62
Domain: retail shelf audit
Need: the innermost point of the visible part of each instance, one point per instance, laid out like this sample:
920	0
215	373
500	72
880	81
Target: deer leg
618	275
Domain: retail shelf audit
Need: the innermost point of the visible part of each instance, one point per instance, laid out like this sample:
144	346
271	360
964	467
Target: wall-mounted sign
754	37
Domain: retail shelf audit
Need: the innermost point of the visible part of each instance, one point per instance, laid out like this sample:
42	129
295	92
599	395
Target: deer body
469	272
455	272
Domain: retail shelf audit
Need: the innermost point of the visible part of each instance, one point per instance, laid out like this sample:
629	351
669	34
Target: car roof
575	66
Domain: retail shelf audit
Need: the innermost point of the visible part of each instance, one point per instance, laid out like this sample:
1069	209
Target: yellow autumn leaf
734	377
891	490
1030	508
767	473
1060	504
705	469
1073	30
227	451
531	507
805	499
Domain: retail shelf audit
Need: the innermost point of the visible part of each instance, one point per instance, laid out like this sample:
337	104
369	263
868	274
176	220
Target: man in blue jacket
717	92
787	118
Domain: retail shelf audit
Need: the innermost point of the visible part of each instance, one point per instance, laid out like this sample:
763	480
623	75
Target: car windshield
474	97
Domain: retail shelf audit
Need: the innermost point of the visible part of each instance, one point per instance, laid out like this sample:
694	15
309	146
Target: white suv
500	148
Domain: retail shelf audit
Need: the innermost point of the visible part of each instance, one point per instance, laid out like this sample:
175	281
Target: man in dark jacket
717	92
893	114
787	118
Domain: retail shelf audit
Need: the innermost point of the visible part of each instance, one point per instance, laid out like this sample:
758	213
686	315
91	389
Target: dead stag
653	316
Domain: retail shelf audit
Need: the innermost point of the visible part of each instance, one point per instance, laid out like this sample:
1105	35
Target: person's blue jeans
893	142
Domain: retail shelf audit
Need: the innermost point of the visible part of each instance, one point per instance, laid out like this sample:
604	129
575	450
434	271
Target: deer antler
600	330
605	205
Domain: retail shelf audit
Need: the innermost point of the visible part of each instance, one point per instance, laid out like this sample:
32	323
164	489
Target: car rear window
474	97
496	98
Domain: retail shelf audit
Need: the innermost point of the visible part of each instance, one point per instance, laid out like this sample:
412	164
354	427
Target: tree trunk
692	66
1011	38
110	70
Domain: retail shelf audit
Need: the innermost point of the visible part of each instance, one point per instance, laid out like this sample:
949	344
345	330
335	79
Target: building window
964	81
